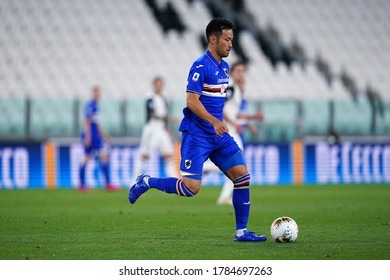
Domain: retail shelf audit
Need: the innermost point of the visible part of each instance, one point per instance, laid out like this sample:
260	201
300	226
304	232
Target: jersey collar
213	60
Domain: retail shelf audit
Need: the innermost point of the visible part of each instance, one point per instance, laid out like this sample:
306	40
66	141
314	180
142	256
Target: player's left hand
220	128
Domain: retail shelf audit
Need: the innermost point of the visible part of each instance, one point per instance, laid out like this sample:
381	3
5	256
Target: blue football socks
241	201
82	175
169	185
106	172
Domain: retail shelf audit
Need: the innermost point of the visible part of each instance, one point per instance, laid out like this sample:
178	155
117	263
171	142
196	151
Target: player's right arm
194	104
195	84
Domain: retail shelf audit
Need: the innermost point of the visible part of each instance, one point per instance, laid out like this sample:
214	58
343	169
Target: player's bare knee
236	172
192	185
194	188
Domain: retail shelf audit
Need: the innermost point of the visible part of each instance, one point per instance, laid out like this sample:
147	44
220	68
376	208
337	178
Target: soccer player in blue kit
205	135
95	140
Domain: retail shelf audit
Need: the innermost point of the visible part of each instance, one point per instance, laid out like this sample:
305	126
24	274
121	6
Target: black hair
216	26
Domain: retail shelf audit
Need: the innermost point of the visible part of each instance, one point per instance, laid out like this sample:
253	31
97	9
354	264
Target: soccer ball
284	229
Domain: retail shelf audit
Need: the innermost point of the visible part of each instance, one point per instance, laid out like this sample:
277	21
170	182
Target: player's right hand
258	116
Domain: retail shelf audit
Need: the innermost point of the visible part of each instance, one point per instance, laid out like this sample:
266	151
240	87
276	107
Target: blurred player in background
95	140
155	134
237	119
205	135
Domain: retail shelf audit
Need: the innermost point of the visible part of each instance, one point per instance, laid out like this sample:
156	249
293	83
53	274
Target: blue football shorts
97	146
195	150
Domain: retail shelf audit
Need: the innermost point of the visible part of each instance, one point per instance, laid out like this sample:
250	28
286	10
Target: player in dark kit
205	135
95	140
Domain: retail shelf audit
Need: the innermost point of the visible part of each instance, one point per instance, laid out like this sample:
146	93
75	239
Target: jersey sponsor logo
226	80
195	77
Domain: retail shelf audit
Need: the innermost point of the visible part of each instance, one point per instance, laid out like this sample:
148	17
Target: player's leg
105	166
241	196
225	197
166	149
191	170
170	166
139	165
83	165
230	160
145	149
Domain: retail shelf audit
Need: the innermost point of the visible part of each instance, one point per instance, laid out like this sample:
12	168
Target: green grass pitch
335	222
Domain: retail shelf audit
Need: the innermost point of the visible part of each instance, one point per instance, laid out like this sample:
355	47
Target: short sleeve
196	78
150	104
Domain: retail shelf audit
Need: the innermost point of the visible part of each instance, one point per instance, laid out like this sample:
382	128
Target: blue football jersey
209	79
91	112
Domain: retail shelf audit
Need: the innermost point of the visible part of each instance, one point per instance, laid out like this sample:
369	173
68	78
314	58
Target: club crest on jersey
223	89
187	163
226	71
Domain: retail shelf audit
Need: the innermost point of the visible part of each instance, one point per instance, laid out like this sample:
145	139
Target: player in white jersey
155	135
236	119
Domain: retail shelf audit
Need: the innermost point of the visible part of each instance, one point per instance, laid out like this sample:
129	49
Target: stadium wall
50	165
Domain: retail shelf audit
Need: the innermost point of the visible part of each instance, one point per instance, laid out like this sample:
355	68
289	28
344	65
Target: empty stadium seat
51	117
315	117
12	117
383	120
135	117
280	119
352	117
111	116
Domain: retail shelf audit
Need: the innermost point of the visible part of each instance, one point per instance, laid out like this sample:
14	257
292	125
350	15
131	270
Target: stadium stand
357	119
12	117
383	120
307	53
135	115
51	116
316	117
279	123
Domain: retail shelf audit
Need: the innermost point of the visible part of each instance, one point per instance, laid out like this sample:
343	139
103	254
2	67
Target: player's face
225	43
158	86
96	94
238	75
